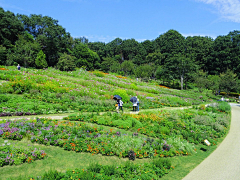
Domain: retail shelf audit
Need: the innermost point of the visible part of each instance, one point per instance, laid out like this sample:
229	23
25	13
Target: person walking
137	104
120	105
117	105
18	67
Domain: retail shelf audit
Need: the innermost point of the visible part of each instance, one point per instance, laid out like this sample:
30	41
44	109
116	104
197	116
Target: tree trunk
181	82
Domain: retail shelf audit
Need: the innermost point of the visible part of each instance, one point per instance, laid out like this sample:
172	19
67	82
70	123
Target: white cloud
105	39
198	34
228	9
96	38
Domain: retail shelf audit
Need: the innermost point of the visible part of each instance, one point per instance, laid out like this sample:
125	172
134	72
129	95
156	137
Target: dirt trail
224	162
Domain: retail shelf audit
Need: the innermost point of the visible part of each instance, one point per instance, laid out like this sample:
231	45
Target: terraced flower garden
105	145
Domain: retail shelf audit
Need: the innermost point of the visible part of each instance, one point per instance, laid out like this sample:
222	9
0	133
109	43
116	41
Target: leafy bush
99	73
131	155
123	94
3	98
224	106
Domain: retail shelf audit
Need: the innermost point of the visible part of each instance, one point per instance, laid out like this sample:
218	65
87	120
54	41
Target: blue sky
105	20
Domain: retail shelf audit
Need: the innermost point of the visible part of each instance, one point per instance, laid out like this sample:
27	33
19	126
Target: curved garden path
59	116
224	162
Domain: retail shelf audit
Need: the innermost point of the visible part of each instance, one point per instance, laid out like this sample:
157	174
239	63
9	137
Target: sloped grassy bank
35	92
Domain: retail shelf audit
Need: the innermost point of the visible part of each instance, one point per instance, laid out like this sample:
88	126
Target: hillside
51	91
157	142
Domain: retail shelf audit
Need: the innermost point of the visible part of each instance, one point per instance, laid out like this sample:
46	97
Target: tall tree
220	59
127	67
214	83
66	62
228	81
3	55
41	60
199	49
86	57
170	43
25	51
180	67
99	48
52	37
113	48
10	28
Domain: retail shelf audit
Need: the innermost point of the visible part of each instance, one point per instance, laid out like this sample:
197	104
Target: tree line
39	41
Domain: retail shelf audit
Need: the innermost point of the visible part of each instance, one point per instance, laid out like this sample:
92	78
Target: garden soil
224	162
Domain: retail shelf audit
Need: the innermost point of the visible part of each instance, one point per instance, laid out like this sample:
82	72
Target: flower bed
192	125
10	155
75	136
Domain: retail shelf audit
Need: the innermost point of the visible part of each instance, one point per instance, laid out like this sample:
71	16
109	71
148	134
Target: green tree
228	81
220	59
155	58
66	62
127	67
52	37
115	67
10	28
199	49
3	55
214	83
169	44
148	46
41	60
99	48
113	48
129	49
107	63
144	71
201	80
180	67
25	51
86	57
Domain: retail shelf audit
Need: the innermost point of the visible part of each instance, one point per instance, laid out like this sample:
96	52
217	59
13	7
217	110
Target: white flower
8	144
5	141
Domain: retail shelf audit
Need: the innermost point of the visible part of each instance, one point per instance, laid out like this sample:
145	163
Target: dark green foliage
131	155
10	28
3	55
52	37
224	106
66	63
41	60
3	98
160	162
86	57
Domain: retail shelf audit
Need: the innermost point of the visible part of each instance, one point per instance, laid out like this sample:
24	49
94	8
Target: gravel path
224	162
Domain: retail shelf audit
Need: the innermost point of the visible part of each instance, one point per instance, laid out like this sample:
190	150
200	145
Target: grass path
224	162
61	116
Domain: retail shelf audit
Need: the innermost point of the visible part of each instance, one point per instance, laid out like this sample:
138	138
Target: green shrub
224	107
123	94
3	98
98	73
202	107
160	163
